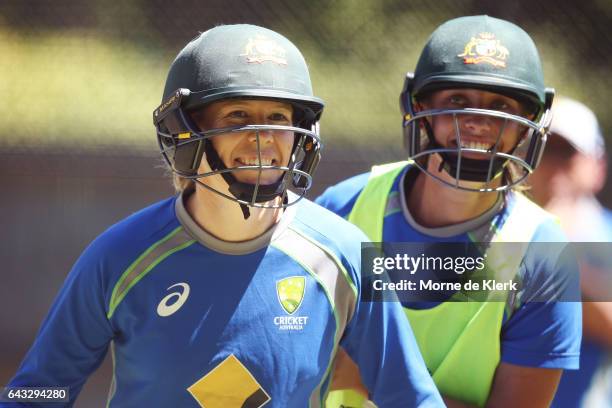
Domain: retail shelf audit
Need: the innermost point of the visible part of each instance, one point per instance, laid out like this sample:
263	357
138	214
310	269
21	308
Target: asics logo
173	302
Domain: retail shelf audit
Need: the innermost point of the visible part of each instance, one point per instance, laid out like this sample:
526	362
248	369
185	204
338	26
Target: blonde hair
181	183
512	173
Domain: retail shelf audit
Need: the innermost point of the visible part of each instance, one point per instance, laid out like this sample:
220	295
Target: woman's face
475	131
241	148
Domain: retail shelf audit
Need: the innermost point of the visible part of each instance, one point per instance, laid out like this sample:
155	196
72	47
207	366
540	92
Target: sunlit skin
240	149
218	215
476	131
434	204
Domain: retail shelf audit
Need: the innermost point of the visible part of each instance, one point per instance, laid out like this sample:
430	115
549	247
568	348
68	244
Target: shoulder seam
155	253
332	255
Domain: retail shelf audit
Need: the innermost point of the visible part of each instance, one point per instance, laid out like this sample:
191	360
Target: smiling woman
477	135
258	154
475	108
255	127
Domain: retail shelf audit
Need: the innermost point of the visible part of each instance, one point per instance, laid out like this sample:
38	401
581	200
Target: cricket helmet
484	53
248	62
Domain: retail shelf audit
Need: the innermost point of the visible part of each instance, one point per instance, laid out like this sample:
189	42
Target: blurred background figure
572	172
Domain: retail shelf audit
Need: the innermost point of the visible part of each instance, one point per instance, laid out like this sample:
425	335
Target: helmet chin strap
471	169
242	191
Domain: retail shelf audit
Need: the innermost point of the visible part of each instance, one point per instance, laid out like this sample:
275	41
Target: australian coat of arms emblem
485	49
261	49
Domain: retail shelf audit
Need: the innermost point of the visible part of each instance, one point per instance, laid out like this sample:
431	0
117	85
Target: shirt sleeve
73	338
341	198
380	341
546	329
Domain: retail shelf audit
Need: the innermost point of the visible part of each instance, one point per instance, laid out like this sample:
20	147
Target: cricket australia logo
260	49
290	293
485	49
